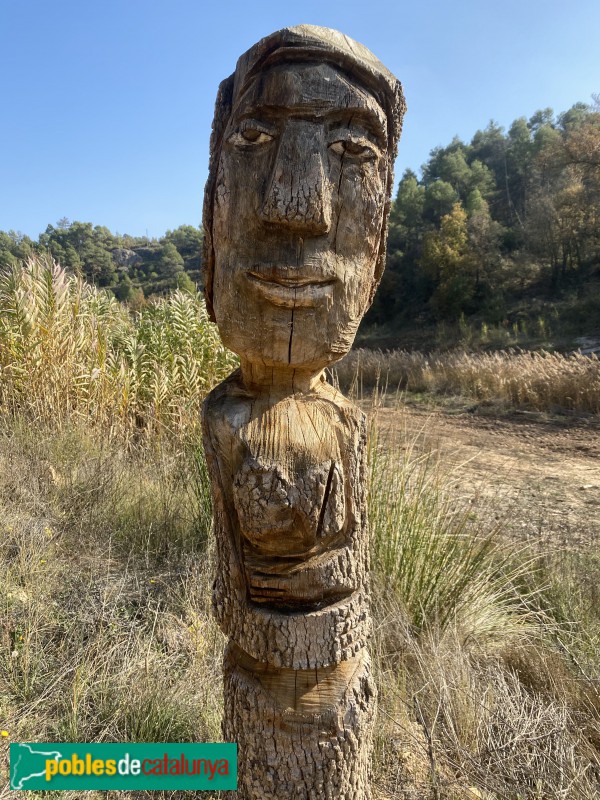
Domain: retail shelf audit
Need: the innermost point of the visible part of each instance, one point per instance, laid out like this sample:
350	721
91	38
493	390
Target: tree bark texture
291	589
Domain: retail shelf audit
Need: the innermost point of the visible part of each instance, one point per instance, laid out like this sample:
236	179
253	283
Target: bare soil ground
542	472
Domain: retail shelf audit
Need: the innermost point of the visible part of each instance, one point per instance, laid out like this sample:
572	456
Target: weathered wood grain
295	215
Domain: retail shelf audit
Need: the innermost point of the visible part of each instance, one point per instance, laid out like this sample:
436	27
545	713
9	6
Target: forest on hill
134	267
502	227
510	218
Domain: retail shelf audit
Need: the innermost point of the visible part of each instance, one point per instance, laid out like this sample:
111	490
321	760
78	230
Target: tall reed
69	352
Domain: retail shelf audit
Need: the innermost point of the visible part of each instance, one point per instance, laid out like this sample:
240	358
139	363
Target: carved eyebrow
251	121
361	117
373	121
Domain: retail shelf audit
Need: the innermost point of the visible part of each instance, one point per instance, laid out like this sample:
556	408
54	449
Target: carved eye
359	149
249	135
255	136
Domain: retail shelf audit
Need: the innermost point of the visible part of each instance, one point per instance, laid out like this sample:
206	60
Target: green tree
407	210
446	259
485	268
402	279
185	283
170	263
519	152
7	257
453	169
440	198
123	290
542	118
187	240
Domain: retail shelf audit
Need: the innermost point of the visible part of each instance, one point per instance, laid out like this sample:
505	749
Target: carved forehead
310	88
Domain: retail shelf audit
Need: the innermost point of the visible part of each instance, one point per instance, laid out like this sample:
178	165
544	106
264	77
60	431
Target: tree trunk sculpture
295	215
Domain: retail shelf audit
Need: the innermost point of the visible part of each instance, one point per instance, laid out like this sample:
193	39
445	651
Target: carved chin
297	338
314	329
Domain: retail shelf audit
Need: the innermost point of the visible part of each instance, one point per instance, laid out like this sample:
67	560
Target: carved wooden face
298	214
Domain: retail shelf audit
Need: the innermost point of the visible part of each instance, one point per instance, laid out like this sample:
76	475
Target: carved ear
395	111
220	120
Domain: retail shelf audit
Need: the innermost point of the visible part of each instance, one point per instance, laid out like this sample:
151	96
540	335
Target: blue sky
107	106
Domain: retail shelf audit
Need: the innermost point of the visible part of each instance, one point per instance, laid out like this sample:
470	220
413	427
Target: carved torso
290	527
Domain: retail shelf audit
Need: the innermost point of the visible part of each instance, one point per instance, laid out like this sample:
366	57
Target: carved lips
291	288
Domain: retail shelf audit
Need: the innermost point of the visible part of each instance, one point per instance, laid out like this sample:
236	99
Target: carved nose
299	192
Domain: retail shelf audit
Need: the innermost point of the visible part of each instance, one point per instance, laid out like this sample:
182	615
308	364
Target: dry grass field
539	381
484	523
533	487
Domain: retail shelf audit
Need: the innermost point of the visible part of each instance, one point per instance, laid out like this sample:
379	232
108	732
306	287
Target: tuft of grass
437	553
457	724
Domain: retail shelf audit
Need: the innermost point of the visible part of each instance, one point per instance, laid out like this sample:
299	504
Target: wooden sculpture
302	151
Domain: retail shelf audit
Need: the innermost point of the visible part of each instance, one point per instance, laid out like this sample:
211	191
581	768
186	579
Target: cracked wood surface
291	580
302	149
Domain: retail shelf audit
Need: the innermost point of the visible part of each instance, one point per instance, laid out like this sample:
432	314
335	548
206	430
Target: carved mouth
284	288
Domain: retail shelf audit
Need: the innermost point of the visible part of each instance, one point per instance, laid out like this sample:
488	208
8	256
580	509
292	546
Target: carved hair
313	44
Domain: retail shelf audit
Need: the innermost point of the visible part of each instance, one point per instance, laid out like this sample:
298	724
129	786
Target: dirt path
544	471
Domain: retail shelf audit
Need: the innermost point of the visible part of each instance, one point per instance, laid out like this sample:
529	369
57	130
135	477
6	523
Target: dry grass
438	553
455	717
535	380
105	627
107	633
487	658
487	665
